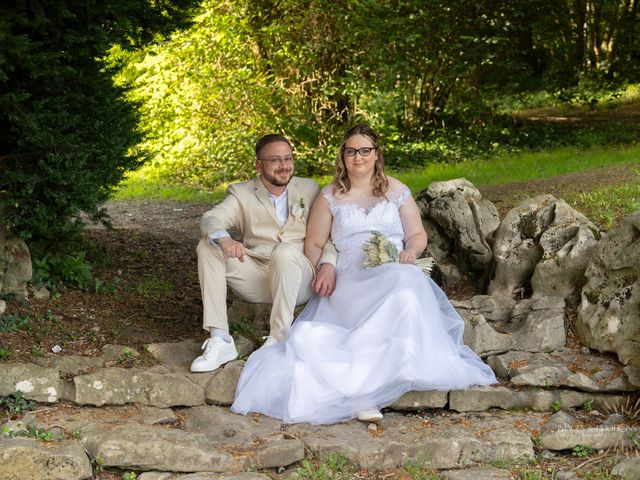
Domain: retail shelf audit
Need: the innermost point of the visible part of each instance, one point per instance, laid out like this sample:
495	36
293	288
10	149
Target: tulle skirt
383	332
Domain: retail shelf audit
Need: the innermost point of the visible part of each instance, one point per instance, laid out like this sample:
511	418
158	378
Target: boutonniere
299	211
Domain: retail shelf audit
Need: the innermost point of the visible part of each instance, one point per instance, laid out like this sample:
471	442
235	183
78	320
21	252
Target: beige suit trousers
284	280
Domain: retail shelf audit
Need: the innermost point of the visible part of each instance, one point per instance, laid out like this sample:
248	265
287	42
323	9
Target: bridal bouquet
378	250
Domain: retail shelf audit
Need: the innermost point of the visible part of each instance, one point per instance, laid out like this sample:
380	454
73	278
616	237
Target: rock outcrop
543	244
15	264
460	223
609	313
496	324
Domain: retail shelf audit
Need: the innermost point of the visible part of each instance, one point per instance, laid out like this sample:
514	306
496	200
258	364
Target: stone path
168	423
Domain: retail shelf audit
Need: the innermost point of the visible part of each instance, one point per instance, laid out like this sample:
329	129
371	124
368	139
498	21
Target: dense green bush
67	131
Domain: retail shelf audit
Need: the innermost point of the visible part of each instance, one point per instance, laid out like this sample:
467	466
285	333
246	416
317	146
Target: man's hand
231	248
325	280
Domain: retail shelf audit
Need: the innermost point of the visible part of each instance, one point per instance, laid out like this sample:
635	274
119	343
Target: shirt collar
281	196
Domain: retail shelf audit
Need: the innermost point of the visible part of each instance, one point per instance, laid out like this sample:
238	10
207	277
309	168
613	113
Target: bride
383	331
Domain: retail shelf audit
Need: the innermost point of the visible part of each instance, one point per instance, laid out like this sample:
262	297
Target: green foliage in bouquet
379	250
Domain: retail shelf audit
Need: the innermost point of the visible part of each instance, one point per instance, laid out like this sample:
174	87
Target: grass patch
334	467
503	168
138	186
520	167
154	287
606	206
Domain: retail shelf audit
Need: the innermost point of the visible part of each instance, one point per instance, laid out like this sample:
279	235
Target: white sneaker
268	341
371	416
216	353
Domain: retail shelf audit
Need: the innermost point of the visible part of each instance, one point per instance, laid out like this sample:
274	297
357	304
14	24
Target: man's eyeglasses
364	151
277	160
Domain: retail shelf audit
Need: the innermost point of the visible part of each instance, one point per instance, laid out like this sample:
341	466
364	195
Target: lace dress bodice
354	221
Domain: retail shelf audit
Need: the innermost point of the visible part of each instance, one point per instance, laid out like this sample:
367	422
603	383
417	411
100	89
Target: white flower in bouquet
379	250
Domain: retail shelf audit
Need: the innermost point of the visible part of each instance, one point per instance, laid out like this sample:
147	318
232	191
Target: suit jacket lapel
292	197
263	197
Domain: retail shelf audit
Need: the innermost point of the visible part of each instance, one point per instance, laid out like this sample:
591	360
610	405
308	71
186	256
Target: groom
268	265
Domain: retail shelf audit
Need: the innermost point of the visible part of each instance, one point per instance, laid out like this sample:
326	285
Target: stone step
212	439
158	387
211	442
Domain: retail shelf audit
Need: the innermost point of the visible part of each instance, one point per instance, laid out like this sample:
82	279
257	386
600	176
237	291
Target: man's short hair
268	139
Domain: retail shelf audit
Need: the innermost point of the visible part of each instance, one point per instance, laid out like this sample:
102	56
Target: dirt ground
146	265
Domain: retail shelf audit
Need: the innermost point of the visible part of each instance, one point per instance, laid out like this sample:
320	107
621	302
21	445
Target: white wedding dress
383	332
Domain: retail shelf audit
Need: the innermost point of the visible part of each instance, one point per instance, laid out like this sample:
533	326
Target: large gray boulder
26	459
459	222
543	243
15	263
119	386
35	382
609	314
562	369
144	447
496	324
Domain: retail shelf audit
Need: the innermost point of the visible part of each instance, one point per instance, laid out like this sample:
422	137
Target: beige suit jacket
248	209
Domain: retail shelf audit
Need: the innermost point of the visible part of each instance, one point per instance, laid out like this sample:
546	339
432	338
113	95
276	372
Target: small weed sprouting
126	355
532	475
16	404
600	473
129	476
107	287
588	405
36	351
153	287
243	327
5	353
581	451
556	406
418	471
334	467
98	464
14	322
31	432
38	433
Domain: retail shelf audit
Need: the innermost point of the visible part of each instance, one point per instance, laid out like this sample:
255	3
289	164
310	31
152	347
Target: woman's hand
325	280
407	256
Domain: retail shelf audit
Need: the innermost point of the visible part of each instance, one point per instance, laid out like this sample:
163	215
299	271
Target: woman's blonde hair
379	181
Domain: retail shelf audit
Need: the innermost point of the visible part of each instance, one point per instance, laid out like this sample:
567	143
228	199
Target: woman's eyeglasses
364	151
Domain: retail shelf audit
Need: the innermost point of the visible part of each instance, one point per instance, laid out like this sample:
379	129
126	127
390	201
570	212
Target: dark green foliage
12	322
73	269
429	75
16	404
4	353
67	131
